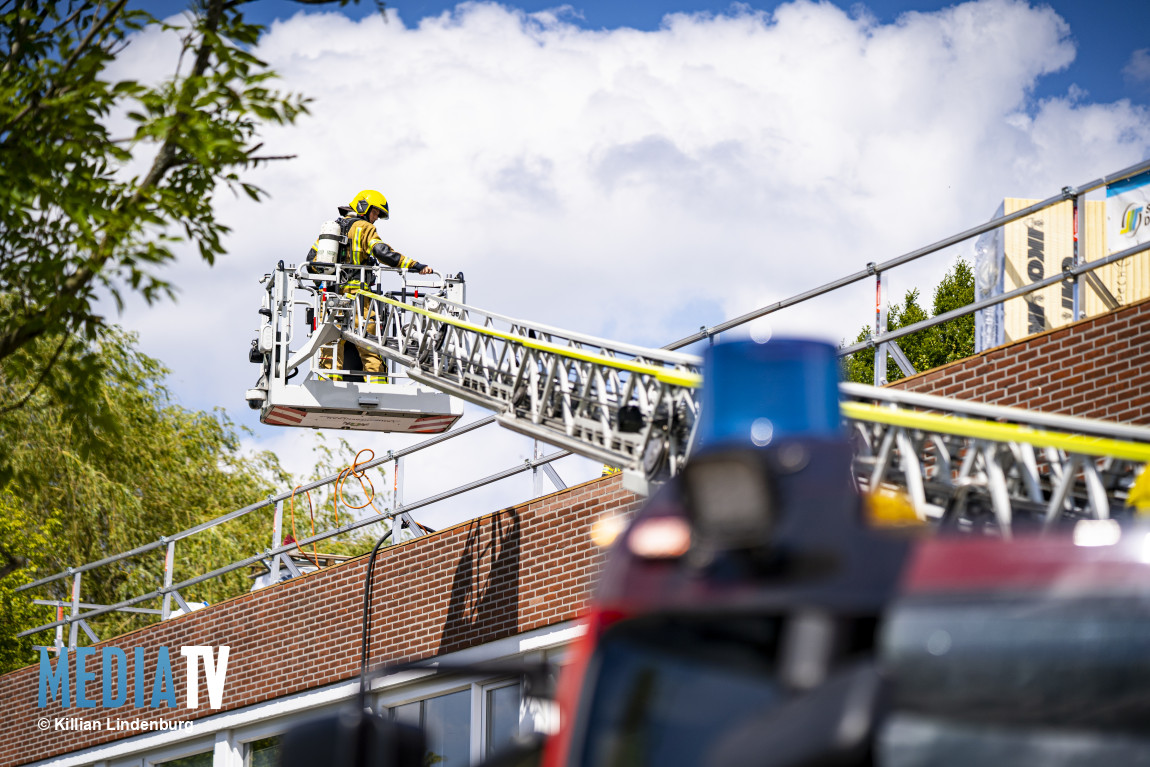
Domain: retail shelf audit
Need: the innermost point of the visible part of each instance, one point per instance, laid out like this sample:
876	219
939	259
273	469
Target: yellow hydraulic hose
666	375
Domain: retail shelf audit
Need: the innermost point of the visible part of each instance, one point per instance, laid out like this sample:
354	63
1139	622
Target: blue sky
1107	33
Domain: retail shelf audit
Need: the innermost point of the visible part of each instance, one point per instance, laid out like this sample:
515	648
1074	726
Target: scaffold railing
73	614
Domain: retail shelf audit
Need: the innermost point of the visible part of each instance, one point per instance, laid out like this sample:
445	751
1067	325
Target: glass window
262	753
446	721
502	717
195	760
409	713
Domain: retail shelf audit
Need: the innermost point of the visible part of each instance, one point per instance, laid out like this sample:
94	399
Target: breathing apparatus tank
330	239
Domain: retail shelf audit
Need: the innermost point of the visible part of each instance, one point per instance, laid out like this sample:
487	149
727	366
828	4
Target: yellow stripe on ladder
666	375
997	432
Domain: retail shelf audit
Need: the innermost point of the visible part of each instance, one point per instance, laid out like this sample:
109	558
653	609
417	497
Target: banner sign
1128	212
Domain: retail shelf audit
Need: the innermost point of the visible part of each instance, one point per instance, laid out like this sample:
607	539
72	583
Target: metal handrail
1068	273
271	552
164	540
1067	193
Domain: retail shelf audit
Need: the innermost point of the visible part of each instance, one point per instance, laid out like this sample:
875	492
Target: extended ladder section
624	405
972	466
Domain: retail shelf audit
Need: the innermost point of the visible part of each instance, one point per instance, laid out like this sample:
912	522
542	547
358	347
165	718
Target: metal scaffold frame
882	337
277	556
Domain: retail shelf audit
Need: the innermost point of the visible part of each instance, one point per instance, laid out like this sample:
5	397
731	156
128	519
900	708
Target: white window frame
477	687
250	734
480	714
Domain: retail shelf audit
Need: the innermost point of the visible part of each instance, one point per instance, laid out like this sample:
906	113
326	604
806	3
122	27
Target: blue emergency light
758	393
755	395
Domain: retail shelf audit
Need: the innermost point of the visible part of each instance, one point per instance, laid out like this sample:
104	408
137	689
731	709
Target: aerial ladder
954	463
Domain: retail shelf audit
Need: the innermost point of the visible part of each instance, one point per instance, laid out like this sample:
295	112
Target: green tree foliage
84	211
929	348
139	466
23	543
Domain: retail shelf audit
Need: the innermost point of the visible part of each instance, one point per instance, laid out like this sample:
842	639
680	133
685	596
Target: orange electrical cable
338	497
368	489
311	514
361	475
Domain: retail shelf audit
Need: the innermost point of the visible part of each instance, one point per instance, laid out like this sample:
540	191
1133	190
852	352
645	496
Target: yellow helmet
363	202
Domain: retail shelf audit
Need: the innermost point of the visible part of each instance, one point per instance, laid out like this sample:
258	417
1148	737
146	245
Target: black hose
368	581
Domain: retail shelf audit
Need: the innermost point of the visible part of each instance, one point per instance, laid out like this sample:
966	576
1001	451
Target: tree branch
39	381
166	158
11	564
14	54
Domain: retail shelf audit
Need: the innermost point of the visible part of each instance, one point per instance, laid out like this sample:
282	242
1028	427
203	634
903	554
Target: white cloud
1138	68
637	185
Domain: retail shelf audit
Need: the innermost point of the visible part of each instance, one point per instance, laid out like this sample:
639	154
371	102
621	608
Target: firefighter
364	248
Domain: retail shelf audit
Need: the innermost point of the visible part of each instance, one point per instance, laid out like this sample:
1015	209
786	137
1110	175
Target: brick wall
519	569
1095	368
